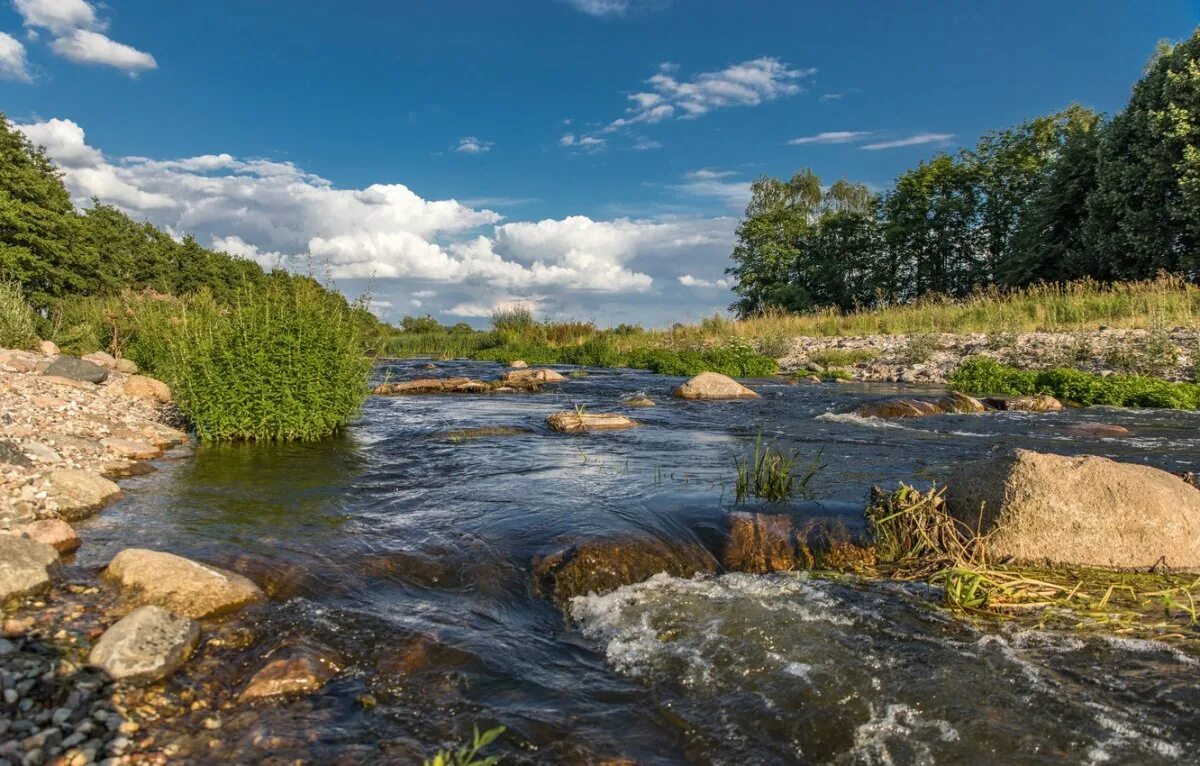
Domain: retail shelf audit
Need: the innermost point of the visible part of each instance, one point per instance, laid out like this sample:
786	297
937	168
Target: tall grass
771	474
18	322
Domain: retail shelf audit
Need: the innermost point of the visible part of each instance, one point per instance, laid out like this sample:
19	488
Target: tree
1144	213
426	324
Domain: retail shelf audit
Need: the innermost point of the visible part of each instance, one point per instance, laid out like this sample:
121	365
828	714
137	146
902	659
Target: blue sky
590	157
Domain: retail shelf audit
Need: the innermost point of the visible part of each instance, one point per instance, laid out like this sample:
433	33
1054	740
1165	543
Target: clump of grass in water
467	755
772	475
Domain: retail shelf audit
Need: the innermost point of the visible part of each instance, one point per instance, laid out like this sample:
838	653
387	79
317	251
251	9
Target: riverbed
404	550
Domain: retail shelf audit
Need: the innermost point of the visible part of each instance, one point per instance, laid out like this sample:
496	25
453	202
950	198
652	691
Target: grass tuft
771	474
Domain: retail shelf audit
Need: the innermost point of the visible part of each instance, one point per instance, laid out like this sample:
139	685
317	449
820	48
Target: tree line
1057	198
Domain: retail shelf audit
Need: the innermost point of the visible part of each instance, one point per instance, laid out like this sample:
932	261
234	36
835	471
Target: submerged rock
74	368
1032	403
641	400
26	566
956	402
571	422
951	403
601	566
432	386
79	493
303	671
1086	511
461	434
181	585
1096	430
145	646
759	543
713	385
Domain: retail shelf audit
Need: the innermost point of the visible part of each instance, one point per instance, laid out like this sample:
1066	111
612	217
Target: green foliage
771	474
467	755
425	324
18	322
281	362
516	319
920	347
984	375
842	357
1154	355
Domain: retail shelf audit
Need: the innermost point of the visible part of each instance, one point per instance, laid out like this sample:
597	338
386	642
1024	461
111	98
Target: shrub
18	322
920	348
282	362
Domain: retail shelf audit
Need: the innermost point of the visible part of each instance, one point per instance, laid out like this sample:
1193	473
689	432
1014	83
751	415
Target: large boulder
759	543
955	402
26	566
79	493
572	422
74	368
1086	511
181	585
1031	403
143	387
601	566
145	646
713	385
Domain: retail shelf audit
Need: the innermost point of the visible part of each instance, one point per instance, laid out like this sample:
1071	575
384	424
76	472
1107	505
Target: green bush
984	375
18	323
282	362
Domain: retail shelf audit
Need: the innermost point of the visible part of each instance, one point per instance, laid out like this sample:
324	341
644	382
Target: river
407	554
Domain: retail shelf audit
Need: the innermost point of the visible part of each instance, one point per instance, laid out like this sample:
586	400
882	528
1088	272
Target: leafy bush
18	323
282	362
983	375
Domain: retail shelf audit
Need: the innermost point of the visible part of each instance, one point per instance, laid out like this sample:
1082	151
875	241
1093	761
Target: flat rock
1033	403
302	673
479	432
759	543
1096	430
145	646
18	360
79	493
143	387
74	368
713	385
890	409
56	533
130	449
432	386
26	566
179	584
522	376
571	422
102	358
1084	511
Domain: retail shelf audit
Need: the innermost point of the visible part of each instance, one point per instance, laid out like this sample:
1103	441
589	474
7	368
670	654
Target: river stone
638	401
602	566
127	366
1096	430
181	585
478	432
79	493
145	646
955	402
889	409
571	422
759	543
26	566
143	387
130	449
1032	403
48	348
1085	511
518	364
432	386
56	533
74	368
303	673
713	385
520	377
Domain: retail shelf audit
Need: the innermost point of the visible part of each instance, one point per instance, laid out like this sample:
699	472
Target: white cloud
709	183
583	143
687	280
642	144
13	65
831	97
832	137
472	145
78	34
615	8
916	140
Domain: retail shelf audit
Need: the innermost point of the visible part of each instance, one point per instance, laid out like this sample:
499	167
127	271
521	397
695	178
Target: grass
468	755
18	322
984	375
843	357
771	474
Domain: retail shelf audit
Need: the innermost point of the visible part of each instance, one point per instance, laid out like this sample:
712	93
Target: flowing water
407	554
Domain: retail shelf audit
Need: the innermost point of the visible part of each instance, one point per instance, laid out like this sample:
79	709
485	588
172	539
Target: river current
406	552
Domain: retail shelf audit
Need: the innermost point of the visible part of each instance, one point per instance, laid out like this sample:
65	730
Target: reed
771	474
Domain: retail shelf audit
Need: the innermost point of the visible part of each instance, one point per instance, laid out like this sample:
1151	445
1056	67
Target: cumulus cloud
832	137
583	143
915	140
687	280
79	34
713	183
13	65
279	215
472	145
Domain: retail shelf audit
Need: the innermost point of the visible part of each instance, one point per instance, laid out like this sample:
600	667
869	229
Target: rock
713	385
523	377
1085	511
1096	430
462	434
145	646
960	403
26	566
130	449
429	366
898	408
303	673
74	368
811	379
56	533
759	543
48	348
41	453
13	453
79	493
59	380
16	359
127	366
102	358
179	584
601	566
1033	403
571	422
518	364
143	387
640	400
432	386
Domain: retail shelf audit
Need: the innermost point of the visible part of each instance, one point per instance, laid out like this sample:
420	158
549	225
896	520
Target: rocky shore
932	358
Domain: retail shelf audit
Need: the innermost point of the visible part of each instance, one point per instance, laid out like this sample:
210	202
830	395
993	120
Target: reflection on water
407	553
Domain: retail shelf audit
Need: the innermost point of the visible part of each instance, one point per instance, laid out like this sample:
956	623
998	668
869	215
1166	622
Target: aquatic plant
467	755
911	529
18	323
773	475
